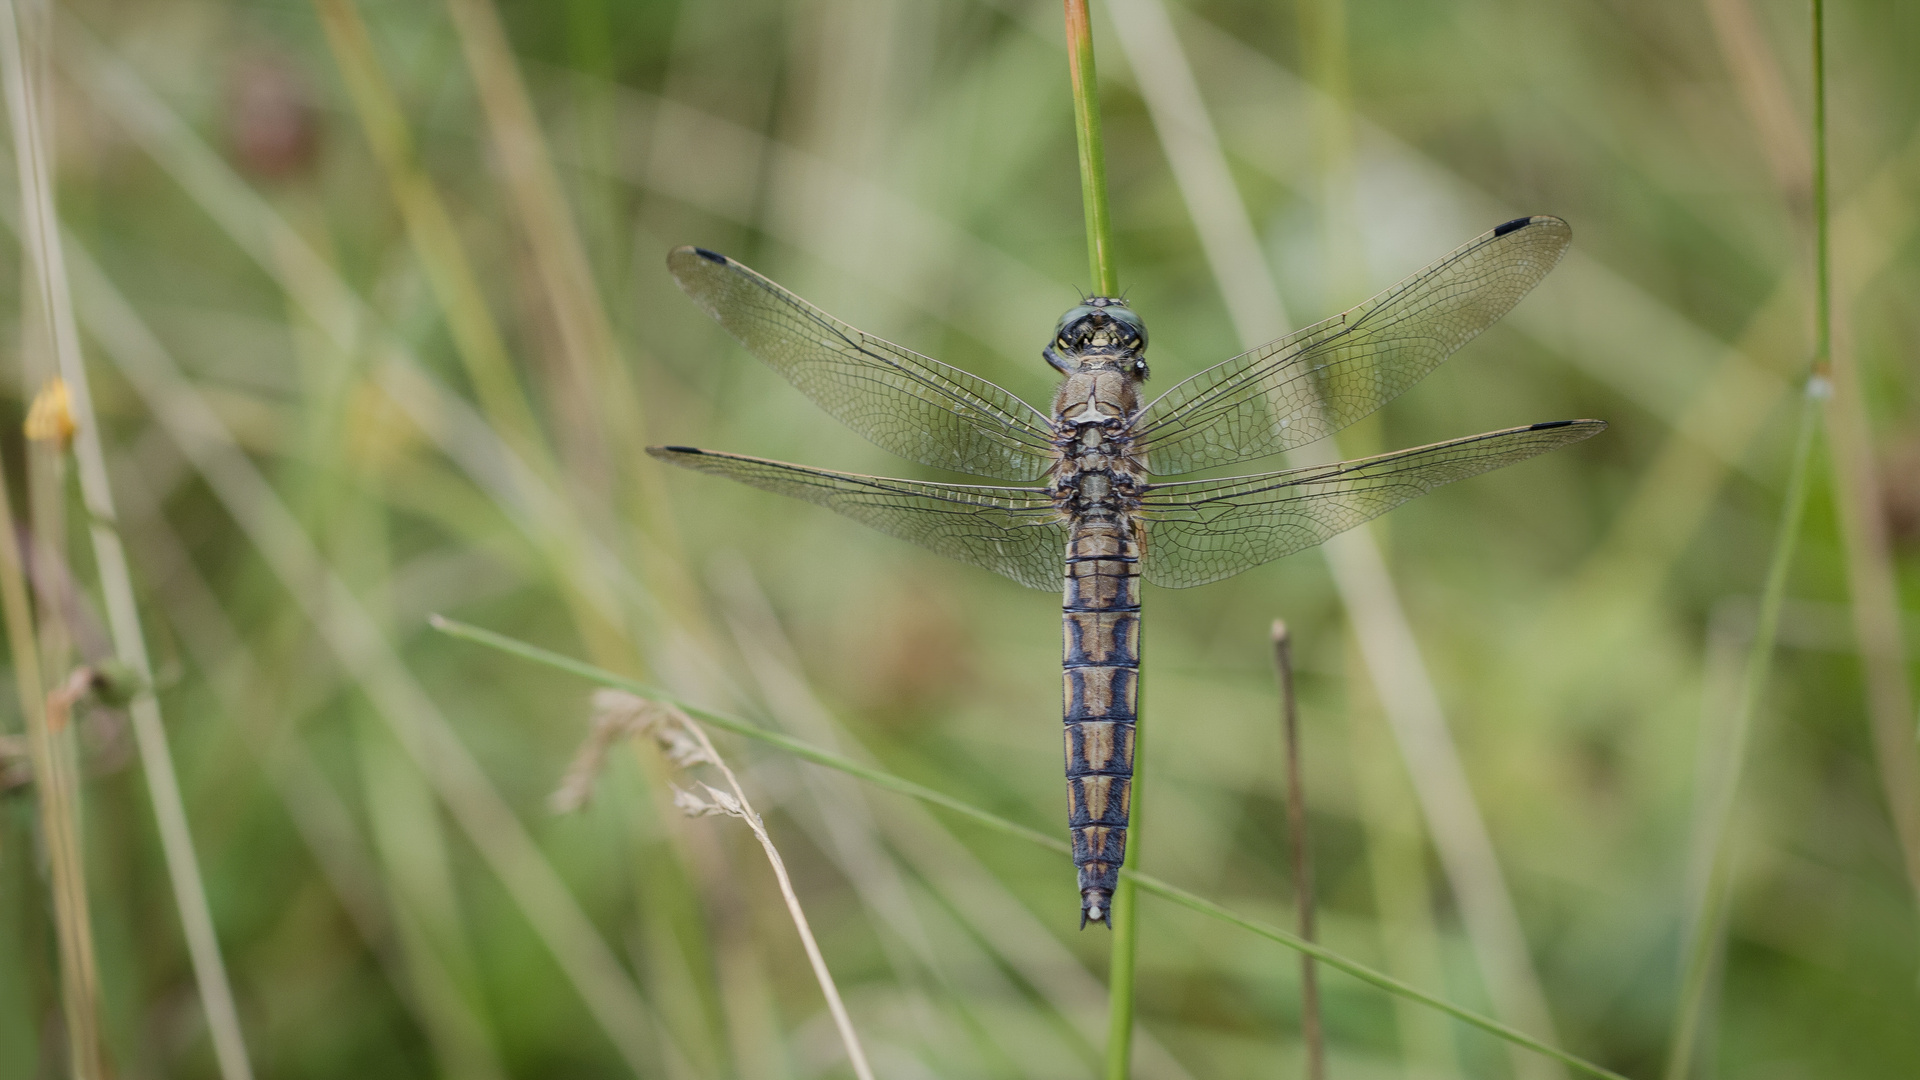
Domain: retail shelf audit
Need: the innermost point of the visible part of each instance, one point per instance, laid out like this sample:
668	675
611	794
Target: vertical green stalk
1093	197
1093	157
1822	262
40	233
1714	898
54	782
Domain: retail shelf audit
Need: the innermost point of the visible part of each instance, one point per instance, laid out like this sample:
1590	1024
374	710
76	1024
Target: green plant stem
55	775
809	752
40	234
1822	261
477	337
54	788
1093	157
1873	582
1713	899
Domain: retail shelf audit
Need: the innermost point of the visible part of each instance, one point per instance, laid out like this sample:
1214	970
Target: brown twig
1302	853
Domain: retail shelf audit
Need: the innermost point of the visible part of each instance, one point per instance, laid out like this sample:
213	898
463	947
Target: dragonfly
1086	506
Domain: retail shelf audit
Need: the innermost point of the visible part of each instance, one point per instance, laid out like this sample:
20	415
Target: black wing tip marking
681	255
1595	426
663	451
1519	223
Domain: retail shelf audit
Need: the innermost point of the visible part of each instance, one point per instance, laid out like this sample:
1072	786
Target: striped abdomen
1101	611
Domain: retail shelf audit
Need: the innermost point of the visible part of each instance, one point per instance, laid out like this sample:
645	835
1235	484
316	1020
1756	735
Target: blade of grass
356	641
586	334
51	755
227	660
586	338
1367	591
1763	91
54	777
1310	1031
430	227
1714	898
1875	224
1871	580
450	273
808	752
41	234
46	472
407	830
1402	886
312	283
1093	154
591	580
609	605
614	437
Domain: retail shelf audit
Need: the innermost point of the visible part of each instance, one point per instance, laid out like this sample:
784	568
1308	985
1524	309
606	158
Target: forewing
905	403
1205	530
1013	531
1311	384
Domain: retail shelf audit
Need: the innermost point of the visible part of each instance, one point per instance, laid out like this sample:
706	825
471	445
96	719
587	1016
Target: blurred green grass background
910	167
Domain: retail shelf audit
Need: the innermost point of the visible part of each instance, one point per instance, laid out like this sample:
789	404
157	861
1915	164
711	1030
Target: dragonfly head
1103	331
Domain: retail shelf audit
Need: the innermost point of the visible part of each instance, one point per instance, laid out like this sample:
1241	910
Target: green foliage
910	167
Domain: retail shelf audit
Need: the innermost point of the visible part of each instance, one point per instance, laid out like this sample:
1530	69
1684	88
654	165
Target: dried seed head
693	805
725	801
614	707
681	747
616	714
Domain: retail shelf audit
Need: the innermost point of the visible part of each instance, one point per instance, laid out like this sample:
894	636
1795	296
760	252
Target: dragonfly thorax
1100	394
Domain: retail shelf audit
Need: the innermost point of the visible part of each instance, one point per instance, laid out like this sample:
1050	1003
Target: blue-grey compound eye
1126	315
1072	317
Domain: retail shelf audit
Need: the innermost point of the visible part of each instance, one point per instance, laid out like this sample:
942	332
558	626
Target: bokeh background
377	324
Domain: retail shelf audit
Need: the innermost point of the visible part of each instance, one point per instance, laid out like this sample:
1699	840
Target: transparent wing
1311	384
1013	531
1205	530
905	403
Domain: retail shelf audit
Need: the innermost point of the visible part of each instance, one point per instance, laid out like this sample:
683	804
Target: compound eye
1071	317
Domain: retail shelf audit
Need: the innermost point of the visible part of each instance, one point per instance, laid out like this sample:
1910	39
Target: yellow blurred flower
50	417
